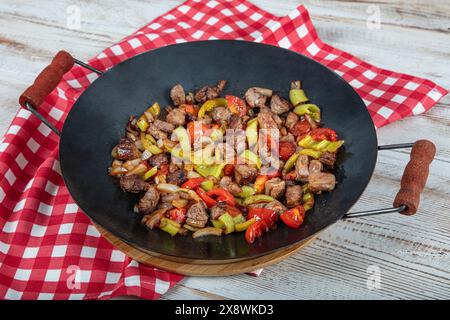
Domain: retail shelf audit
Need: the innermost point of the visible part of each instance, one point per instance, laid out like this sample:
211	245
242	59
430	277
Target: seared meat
315	166
127	150
156	133
158	160
164	126
276	206
149	201
133	184
178	177
257	97
169	197
291	120
265	119
328	159
289	137
293	196
321	182
176	117
244	174
278	105
275	188
301	168
197	216
235	123
218	210
208	92
220	114
311	122
228	184
177	95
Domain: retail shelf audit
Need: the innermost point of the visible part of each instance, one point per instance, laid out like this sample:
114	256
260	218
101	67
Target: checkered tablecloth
48	248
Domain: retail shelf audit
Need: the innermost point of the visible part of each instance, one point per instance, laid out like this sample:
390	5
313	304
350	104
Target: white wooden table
411	253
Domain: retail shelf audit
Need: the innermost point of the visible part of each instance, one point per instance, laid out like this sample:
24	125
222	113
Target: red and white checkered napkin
48	248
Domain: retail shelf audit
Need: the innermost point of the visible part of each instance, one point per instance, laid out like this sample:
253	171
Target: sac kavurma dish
212	165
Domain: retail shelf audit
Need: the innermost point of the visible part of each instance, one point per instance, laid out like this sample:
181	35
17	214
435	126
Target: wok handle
47	80
415	176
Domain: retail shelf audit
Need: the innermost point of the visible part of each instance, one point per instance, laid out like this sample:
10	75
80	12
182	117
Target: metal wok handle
413	180
46	82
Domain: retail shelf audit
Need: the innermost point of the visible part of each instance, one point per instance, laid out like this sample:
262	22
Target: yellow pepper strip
297	96
251	132
155	109
142	123
150	173
238	219
218	224
228	222
211	104
190	228
311	153
244	226
251	158
311	109
308	201
207	185
169	226
209	231
290	162
257	199
246	192
334	146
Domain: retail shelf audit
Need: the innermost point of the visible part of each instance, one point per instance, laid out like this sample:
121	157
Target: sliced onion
209	231
160	143
167	187
192	174
131	164
117	171
191	193
161	178
139	170
146	155
180	203
117	163
131	136
152	219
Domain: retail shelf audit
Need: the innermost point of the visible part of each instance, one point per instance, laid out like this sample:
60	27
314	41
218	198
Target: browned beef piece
127	150
173	167
178	177
276	206
218	210
293	196
149	201
321	182
235	123
177	95
315	166
158	160
197	215
164	126
265	119
220	114
176	117
291	120
156	133
328	159
289	137
275	188
302	168
278	105
208	92
228	184
257	97
245	174
169	197
311	122
133	184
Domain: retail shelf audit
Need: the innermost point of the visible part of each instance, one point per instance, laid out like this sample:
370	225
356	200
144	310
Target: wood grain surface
412	254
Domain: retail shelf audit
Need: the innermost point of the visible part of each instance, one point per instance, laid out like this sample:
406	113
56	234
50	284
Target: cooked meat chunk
275	188
289	137
235	123
149	201
328	159
158	160
265	119
177	95
164	126
156	133
127	150
178	177
311	122
133	184
257	97
208	92
321	182
276	206
228	184
291	120
301	168
293	196
315	166
197	216
244	174
176	117
220	114
218	210
278	105
169	197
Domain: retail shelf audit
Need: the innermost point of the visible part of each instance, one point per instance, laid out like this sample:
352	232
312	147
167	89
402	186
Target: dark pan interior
97	121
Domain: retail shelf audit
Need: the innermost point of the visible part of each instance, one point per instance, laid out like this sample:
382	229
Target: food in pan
213	165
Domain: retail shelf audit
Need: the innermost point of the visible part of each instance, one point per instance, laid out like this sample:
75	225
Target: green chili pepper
311	153
290	162
297	96
246	192
252	133
190	228
244	226
211	104
311	109
308	201
228	222
207	185
334	146
150	173
238	219
257	199
218	224
142	124
251	158
213	170
169	226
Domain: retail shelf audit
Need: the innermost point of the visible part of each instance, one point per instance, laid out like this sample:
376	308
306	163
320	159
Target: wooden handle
415	176
47	80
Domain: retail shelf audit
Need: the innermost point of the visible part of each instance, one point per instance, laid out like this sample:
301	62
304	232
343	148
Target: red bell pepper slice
256	230
323	134
287	149
178	215
236	105
223	196
193	183
269	216
210	202
294	217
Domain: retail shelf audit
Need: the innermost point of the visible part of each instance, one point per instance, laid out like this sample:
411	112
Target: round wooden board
202	268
